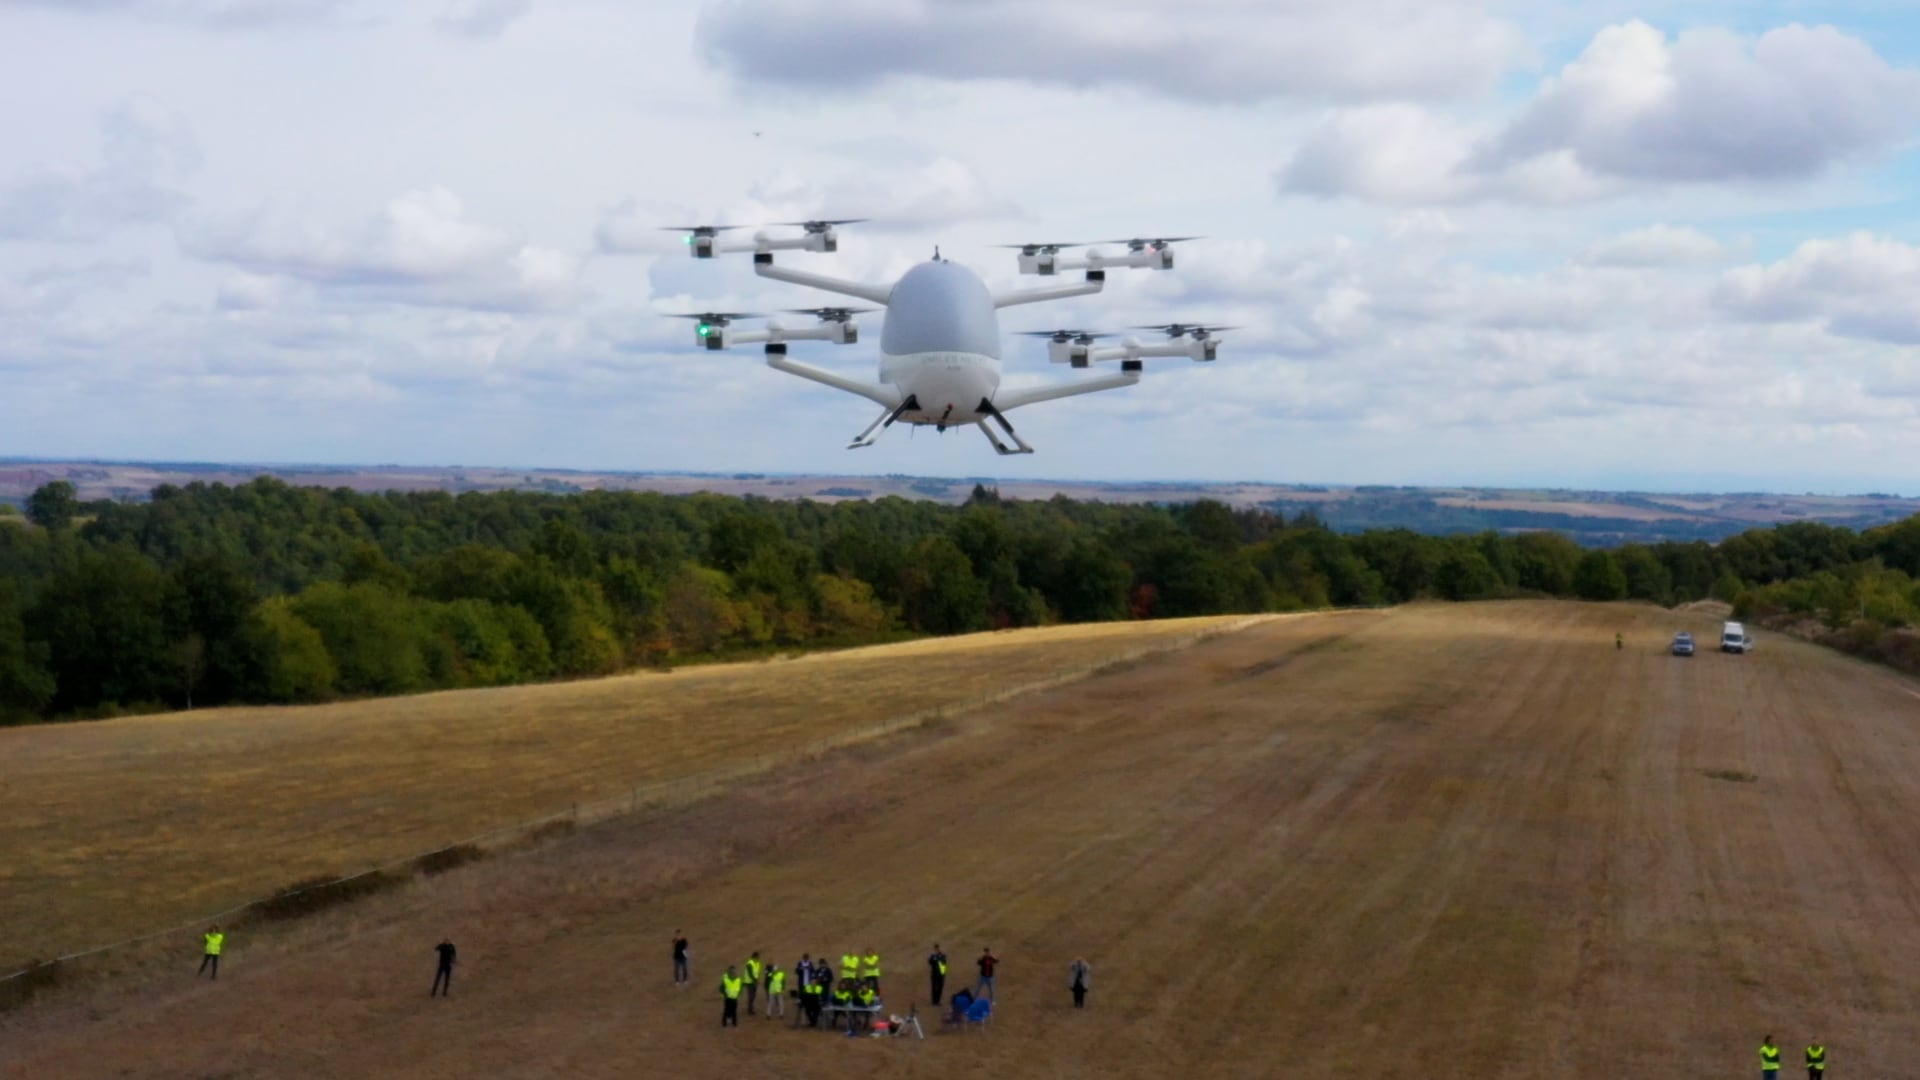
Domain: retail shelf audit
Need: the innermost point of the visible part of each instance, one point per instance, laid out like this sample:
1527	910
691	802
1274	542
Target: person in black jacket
443	975
937	971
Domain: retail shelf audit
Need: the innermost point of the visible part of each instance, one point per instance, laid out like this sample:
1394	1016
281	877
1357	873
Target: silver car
1683	644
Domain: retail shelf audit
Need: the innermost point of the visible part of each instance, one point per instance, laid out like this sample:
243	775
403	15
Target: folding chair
979	1013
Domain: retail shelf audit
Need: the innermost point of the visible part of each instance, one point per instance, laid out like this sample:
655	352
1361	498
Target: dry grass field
1443	840
113	829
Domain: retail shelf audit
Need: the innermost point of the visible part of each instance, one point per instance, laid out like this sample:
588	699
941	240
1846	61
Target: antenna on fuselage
936	253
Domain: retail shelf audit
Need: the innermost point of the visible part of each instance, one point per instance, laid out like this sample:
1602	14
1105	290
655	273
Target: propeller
1041	249
700	230
711	321
1062	337
1179	330
830	314
1156	243
820	226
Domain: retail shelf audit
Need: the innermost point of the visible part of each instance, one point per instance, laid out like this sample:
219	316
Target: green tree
1465	574
939	592
52	505
1646	576
376	638
1094	583
26	686
103	618
846	609
1545	563
1598	577
287	660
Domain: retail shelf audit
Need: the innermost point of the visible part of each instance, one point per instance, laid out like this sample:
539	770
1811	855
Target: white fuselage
940	344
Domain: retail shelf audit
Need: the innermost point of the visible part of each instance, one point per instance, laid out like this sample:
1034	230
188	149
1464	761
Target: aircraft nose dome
940	307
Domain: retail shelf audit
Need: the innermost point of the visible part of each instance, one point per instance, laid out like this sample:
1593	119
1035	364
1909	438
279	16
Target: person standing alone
986	964
1078	973
211	943
1816	1060
730	986
443	975
681	973
937	971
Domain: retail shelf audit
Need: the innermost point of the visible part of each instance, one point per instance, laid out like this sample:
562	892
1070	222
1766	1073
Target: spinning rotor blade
1078	337
1198	330
830	314
1041	249
717	318
1141	243
700	230
820	226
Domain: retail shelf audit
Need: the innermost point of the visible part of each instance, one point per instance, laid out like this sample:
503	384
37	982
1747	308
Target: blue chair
979	1013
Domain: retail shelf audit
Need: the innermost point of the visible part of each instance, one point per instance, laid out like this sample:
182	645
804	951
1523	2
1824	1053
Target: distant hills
1597	518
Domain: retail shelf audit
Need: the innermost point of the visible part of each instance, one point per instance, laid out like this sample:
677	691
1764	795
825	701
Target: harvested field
1471	840
126	826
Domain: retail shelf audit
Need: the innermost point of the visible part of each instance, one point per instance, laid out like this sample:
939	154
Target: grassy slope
1470	840
126	826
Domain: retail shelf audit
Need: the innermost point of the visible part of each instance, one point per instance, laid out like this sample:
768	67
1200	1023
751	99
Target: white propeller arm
1013	399
877	392
1192	350
1094	283
763	265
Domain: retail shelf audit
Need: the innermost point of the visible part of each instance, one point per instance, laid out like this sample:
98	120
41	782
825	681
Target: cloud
147	151
219	14
929	194
1634	109
1859	286
480	19
44	290
1656	245
420	249
1205	50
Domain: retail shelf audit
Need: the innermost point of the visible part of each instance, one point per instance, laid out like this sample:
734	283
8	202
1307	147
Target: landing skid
1019	445
882	422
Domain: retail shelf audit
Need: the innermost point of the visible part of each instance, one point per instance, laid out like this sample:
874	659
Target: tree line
268	593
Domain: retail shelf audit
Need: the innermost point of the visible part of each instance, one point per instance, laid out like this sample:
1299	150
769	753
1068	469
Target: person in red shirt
985	985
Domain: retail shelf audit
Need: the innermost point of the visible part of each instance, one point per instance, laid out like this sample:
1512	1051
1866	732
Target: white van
1733	638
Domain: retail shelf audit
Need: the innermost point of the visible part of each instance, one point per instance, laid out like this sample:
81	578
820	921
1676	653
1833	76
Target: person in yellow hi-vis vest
730	986
1769	1059
754	970
850	965
213	940
870	968
1816	1060
776	991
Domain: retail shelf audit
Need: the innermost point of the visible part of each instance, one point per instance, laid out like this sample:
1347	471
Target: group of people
852	988
1770	1060
814	985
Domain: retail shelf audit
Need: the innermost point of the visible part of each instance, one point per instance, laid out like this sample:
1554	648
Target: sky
1659	245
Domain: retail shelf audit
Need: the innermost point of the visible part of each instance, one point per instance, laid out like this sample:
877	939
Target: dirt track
1466	841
